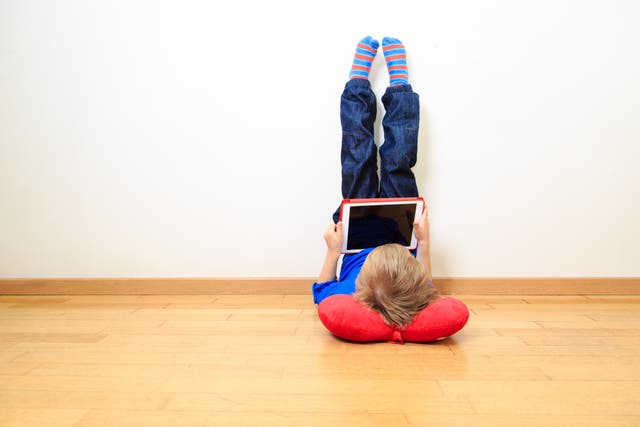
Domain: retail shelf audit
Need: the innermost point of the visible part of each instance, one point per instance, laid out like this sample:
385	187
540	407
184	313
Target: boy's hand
421	228
333	237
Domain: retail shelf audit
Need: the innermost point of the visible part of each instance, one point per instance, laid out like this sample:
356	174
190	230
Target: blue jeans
398	153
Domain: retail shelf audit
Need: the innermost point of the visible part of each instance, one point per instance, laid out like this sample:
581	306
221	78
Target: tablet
368	223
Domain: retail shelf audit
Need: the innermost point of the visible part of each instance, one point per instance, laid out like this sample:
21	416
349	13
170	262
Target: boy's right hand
421	228
333	237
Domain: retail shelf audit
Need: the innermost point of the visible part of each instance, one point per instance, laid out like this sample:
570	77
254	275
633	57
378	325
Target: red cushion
347	318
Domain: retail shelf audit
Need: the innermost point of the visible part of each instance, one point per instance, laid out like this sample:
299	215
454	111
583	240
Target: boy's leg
359	155
399	151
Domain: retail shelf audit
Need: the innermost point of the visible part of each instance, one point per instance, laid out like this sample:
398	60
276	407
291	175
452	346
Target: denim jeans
398	152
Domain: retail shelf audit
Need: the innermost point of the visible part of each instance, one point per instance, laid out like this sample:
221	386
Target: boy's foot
396	58
363	58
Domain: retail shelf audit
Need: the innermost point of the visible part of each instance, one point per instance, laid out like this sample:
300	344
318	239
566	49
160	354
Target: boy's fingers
424	218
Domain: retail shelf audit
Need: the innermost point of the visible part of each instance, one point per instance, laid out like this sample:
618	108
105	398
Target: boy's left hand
333	237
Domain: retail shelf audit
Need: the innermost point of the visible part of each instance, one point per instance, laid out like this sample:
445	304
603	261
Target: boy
387	278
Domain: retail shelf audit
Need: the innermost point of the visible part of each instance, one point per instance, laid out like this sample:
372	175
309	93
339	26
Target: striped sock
365	53
396	58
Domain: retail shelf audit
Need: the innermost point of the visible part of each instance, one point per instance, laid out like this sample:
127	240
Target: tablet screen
375	225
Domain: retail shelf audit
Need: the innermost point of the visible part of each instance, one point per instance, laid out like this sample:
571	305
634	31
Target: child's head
395	284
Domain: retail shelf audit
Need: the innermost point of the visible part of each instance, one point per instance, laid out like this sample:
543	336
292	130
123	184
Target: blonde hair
393	283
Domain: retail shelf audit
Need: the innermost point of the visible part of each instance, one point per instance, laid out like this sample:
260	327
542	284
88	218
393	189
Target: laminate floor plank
204	360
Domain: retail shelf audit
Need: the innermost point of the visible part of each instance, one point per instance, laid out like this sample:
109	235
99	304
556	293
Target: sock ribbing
396	59
363	58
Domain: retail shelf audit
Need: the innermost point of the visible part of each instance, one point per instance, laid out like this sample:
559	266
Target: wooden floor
267	360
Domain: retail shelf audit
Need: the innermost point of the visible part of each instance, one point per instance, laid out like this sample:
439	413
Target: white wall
147	138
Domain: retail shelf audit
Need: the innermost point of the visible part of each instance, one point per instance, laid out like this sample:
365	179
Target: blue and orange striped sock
365	53
396	58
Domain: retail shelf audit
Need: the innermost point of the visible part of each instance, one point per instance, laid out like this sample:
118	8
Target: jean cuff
399	88
358	83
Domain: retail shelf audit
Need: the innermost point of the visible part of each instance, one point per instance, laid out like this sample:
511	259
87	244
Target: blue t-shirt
346	283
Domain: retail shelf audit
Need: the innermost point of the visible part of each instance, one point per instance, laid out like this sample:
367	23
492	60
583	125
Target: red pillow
348	318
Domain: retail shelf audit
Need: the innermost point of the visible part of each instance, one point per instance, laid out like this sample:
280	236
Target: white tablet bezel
345	210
